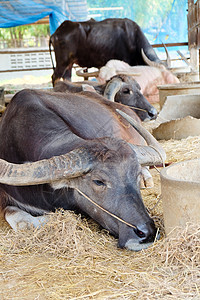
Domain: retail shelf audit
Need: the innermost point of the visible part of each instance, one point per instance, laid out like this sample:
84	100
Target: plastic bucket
177	89
180	189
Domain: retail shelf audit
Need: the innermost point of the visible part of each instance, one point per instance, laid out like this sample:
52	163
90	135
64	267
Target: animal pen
71	256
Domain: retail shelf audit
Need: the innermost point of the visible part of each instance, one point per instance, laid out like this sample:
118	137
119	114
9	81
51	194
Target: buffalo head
125	89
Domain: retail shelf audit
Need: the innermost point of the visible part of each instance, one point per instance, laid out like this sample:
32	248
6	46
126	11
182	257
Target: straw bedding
71	257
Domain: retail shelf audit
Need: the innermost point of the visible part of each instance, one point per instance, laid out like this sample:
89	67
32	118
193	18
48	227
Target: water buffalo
92	44
120	88
148	77
62	149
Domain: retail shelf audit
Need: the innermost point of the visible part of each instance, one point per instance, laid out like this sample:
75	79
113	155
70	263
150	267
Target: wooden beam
44	20
28	50
20	70
170	45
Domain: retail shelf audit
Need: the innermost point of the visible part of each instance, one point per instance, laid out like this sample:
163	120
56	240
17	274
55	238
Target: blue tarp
21	12
161	20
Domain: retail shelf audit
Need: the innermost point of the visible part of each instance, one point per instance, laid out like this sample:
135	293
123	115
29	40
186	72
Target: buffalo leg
61	72
19	219
67	74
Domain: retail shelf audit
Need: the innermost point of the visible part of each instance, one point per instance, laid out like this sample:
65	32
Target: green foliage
14	35
38	30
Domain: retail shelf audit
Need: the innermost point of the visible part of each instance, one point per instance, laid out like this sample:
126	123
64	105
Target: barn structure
71	256
165	23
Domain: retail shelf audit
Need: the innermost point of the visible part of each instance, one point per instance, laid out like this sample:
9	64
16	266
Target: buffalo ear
147	155
137	85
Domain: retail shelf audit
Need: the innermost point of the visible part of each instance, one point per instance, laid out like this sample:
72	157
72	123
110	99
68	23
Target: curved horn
168	57
72	164
112	87
152	154
87	74
150	62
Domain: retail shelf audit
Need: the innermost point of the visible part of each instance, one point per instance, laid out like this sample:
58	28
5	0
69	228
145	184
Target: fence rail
13	60
39	59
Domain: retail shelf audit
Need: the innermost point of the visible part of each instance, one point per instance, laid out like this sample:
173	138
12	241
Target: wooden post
194	59
190	3
193	34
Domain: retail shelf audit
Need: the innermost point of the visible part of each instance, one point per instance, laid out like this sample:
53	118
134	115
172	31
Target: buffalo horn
168	57
70	165
112	87
150	62
81	73
150	155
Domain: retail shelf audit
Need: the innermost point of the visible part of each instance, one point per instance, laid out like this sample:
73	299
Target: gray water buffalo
120	88
76	152
148	77
92	44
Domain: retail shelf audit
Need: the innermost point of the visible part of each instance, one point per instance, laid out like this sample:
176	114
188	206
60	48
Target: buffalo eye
99	182
127	91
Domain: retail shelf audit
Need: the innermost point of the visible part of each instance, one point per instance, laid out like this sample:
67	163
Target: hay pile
184	149
73	258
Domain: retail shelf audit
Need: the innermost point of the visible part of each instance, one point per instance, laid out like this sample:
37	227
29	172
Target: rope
105	210
137	108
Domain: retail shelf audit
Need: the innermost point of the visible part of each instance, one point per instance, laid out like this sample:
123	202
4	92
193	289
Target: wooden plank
24	51
21	70
170	45
42	21
47	50
18	51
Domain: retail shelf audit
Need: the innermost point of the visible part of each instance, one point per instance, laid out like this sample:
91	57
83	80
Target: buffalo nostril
146	232
139	233
152	113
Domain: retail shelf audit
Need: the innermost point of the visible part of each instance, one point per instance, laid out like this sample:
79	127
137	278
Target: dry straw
71	257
